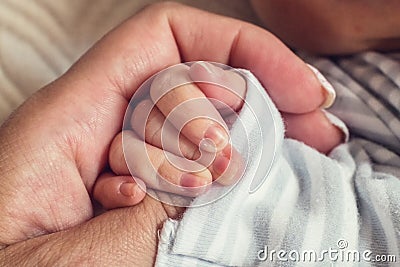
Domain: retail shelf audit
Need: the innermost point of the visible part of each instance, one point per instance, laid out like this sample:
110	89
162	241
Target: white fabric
309	202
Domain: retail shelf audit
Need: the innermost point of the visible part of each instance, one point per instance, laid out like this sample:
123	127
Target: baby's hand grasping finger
183	126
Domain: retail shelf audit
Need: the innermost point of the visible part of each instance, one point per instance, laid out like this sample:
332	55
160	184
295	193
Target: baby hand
202	144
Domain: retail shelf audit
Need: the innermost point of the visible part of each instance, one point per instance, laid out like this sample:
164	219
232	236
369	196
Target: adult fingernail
329	91
191	180
215	138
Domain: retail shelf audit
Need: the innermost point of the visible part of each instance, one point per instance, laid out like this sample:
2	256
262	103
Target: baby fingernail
329	91
209	68
131	189
214	73
128	189
191	180
215	138
220	164
205	66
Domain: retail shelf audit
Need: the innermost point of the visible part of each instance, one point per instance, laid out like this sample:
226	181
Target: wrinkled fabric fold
309	203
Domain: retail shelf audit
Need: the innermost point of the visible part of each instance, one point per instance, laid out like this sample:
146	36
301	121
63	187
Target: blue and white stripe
310	202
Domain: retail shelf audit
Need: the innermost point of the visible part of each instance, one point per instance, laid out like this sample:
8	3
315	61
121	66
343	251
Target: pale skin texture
57	144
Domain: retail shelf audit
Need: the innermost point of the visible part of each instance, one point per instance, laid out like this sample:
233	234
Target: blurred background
40	39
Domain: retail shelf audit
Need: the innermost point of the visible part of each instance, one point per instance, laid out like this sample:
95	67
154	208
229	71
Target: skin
56	146
332	26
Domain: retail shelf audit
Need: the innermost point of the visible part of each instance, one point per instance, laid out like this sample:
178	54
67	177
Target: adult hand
55	146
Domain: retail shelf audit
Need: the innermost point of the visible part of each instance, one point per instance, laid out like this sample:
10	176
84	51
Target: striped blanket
347	201
340	210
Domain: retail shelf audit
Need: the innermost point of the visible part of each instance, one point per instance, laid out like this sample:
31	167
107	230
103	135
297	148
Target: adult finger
75	118
283	74
121	237
314	129
169	33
